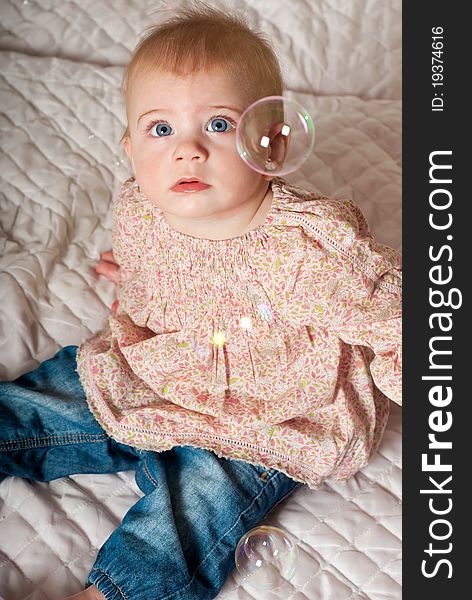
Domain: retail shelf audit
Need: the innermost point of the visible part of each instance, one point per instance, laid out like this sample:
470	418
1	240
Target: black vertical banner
437	134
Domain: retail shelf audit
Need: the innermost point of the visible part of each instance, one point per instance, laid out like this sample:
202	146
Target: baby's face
185	127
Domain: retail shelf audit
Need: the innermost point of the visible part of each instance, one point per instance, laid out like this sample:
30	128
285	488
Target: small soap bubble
203	352
265	312
266	557
275	135
91	136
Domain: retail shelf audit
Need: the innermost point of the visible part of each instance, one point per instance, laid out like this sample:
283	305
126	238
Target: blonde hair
199	37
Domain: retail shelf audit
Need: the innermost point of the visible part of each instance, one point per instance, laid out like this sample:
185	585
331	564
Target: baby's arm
370	310
131	220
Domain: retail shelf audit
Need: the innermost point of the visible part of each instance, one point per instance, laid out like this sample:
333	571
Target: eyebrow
235	109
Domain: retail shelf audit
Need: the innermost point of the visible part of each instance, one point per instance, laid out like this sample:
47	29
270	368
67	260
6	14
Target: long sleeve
368	304
130	217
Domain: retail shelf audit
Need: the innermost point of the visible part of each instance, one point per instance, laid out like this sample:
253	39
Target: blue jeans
177	542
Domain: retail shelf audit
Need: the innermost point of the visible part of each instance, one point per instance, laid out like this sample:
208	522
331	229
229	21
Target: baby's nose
191	151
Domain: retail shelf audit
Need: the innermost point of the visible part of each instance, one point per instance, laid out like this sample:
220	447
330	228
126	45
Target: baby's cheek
149	188
148	176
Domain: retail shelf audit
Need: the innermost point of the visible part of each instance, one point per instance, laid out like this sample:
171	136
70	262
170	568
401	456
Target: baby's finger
109	270
108	256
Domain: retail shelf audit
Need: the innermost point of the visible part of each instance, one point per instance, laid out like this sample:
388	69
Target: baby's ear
126	141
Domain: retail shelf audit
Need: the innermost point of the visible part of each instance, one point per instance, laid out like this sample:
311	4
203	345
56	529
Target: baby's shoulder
128	192
340	225
130	202
339	218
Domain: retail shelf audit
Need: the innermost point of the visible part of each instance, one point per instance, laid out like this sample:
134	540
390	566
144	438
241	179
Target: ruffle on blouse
264	347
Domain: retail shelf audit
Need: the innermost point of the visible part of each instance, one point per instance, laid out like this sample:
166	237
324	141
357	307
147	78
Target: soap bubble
266	557
275	135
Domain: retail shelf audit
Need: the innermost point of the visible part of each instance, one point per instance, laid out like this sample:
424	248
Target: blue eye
219	125
160	129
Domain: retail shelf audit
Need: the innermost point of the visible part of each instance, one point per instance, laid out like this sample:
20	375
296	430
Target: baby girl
255	345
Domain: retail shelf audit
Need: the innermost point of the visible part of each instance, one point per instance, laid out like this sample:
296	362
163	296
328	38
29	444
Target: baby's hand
91	593
108	267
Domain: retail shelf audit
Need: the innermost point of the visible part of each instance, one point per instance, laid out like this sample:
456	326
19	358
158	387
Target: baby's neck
247	218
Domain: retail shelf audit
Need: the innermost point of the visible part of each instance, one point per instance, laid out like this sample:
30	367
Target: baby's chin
192	206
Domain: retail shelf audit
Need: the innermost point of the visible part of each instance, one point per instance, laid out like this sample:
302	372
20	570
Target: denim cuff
105	585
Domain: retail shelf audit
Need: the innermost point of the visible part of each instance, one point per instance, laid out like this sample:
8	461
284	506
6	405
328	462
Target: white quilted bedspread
61	119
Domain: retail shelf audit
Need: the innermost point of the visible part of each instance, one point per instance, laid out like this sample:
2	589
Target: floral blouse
279	347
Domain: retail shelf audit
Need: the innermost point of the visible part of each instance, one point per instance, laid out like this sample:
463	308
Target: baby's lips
114	306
